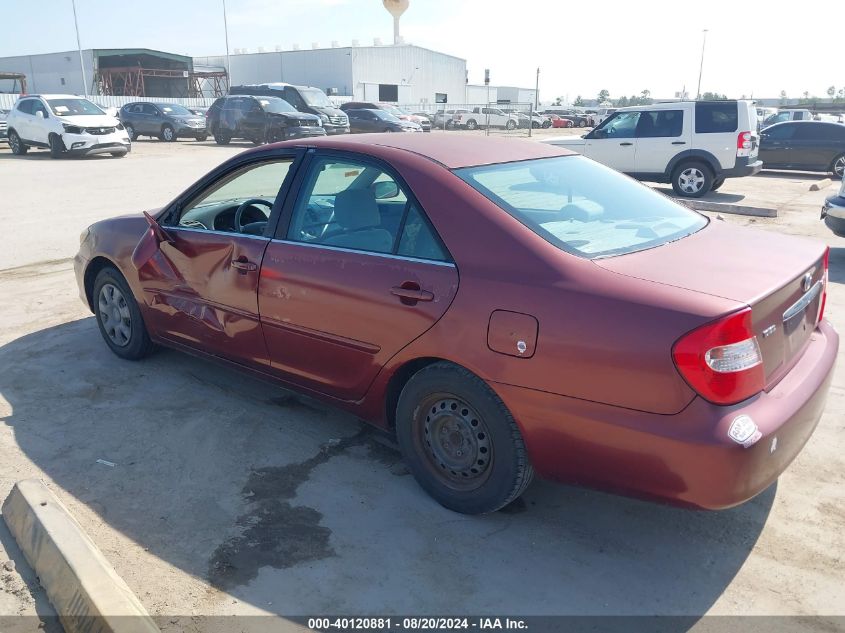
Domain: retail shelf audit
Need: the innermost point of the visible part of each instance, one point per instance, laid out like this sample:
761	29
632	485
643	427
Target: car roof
450	150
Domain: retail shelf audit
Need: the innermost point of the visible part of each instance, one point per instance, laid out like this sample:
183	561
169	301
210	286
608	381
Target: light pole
226	32
537	91
79	48
701	66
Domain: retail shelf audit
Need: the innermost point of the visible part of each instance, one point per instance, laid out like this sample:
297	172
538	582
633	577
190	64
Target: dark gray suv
165	121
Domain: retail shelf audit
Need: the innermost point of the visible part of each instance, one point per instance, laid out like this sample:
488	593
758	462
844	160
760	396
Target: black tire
118	154
692	179
168	134
535	125
222	138
582	123
138	344
19	148
547	125
510	125
489	467
130	131
202	137
837	167
717	183
472	124
57	146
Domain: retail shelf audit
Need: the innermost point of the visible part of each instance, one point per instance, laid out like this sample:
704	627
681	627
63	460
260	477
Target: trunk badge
769	331
807	282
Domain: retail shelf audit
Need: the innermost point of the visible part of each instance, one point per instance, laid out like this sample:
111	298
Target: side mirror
39	114
385	189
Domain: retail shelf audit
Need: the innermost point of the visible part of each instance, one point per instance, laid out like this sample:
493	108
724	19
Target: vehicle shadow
712	196
791	175
297	508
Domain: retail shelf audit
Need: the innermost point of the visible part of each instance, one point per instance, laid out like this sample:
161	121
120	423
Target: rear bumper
833	214
744	167
687	458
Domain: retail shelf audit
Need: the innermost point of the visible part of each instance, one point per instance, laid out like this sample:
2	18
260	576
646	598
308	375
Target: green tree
578	101
783	97
646	97
713	96
622	102
604	95
831	92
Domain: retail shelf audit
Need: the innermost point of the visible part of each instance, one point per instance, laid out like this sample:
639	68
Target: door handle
679	142
244	265
625	144
410	292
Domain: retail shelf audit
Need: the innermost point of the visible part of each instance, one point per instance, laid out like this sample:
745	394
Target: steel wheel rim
14	142
839	166
691	180
114	315
455	441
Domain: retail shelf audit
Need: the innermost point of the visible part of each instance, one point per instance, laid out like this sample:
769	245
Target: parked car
422	121
711	382
560	122
260	120
4	129
694	145
66	125
578	119
788	115
831	117
445	119
601	114
305	99
164	121
833	212
484	117
532	119
804	146
377	120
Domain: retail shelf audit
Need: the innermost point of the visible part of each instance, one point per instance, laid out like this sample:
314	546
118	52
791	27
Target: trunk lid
778	276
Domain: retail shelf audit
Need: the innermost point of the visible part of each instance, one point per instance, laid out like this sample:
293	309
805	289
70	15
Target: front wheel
17	145
460	441
692	180
510	125
130	132
472	124
168	134
202	137
57	146
222	138
119	317
582	123
717	183
838	166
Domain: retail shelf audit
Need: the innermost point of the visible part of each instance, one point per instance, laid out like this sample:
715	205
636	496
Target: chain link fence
507	119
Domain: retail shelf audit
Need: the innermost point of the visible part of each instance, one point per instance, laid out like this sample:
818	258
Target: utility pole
226	31
537	91
701	67
79	48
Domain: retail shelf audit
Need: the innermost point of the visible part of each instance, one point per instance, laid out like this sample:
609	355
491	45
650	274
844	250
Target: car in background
533	119
578	119
482	117
444	119
305	99
164	121
694	145
559	121
832	117
391	282
260	120
804	146
601	114
4	128
800	114
833	212
423	121
369	120
66	125
198	110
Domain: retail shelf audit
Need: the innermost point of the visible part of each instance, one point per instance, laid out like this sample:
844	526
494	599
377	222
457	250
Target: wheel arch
693	155
91	271
400	377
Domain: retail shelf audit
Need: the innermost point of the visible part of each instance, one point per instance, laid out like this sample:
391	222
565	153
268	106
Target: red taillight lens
722	360
743	140
826	266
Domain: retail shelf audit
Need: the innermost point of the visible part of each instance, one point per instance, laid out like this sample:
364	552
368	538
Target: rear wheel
168	134
582	123
472	124
202	137
717	183
692	179
118	154
838	166
510	125
17	145
222	137
119	317
130	131
57	146
460	441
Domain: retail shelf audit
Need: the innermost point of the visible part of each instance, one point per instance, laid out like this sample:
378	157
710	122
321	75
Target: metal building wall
44	73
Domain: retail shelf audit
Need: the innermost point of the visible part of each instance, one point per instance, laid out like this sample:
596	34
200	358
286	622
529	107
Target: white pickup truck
483	117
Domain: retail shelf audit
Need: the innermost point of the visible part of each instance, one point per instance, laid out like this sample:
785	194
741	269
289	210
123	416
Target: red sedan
558	121
503	306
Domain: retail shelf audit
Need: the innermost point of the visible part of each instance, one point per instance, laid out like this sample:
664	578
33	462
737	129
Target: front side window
275	105
620	125
239	202
73	107
660	123
25	106
582	207
716	118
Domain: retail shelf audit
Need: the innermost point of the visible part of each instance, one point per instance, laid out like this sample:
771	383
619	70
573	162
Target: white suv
695	145
65	124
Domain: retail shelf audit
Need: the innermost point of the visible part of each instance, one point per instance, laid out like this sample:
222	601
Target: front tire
692	179
57	146
119	317
582	123
838	166
460	441
17	145
717	183
222	138
472	124
510	125
130	132
202	137
168	134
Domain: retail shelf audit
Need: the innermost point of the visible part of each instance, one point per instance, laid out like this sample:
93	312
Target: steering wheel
239	227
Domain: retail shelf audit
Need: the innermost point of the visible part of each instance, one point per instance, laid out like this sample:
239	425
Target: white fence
7	100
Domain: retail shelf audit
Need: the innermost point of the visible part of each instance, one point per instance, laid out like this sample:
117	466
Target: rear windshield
582	207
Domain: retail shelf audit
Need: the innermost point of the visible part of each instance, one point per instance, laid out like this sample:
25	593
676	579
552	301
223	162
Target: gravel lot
231	496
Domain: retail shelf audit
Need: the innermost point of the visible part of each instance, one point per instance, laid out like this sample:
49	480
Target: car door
814	145
201	283
776	145
612	144
38	128
660	136
355	274
253	118
22	120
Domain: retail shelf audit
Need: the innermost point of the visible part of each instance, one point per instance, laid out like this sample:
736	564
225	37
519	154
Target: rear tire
838	166
119	317
510	125
17	145
222	138
202	137
57	146
472	124
717	183
692	179
130	132
460	441
118	154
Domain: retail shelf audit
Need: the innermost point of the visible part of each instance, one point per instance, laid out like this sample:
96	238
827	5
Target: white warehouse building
400	74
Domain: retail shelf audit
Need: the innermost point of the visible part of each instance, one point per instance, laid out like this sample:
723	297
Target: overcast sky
753	48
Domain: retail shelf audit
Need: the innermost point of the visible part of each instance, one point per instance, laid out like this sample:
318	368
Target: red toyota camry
506	307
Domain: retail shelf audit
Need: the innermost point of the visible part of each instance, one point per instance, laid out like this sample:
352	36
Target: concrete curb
721	207
821	184
84	588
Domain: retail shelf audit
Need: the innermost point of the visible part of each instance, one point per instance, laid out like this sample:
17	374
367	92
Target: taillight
721	360
826	267
743	140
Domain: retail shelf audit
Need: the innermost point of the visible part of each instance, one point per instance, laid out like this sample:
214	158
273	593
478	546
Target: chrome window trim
799	306
215	231
342	249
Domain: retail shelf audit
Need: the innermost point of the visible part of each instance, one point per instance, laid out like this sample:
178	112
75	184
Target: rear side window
582	207
419	240
715	118
660	123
